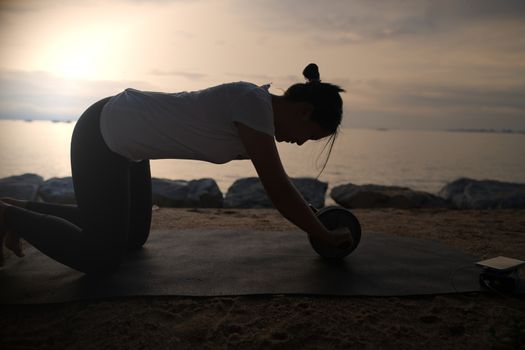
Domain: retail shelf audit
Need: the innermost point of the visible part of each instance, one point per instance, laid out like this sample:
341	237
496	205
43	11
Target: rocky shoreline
462	193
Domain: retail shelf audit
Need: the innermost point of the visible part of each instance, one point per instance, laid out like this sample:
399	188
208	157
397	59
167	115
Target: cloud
187	75
17	6
476	9
389	104
278	81
368	103
354	21
40	95
37	5
156	1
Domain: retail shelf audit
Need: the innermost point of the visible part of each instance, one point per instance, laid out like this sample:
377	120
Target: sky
405	64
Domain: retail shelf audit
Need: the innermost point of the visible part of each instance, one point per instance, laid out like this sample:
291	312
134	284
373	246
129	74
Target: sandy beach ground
461	321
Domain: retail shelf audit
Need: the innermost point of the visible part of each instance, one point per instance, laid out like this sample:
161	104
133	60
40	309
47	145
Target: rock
201	193
23	187
377	196
204	193
247	193
169	193
58	190
250	193
467	193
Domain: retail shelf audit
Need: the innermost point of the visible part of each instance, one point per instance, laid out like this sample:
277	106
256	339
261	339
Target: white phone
501	264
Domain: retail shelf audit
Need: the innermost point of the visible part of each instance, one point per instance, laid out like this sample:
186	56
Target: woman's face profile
300	131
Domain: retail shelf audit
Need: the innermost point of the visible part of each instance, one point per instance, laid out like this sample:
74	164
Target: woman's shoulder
239	85
235	91
243	85
244	88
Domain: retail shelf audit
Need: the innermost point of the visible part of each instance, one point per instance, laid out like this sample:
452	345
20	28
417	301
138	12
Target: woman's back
185	125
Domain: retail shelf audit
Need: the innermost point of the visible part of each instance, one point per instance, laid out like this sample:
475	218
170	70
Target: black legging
113	212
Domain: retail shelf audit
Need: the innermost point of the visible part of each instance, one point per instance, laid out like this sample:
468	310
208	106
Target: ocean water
422	160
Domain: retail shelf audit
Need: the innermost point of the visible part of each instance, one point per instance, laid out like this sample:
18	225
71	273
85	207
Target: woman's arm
264	155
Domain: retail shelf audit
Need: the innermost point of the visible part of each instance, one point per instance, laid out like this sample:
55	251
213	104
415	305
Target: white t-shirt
186	125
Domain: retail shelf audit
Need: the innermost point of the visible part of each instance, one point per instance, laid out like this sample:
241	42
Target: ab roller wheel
334	217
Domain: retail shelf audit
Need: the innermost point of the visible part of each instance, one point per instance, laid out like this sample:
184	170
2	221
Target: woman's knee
137	239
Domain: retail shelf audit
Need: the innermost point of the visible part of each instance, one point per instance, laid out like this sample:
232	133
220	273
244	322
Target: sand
460	321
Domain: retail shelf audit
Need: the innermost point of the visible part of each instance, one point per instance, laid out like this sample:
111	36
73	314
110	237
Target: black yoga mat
242	262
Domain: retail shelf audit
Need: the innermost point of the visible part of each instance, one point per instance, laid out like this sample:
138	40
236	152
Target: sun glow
78	60
93	42
84	53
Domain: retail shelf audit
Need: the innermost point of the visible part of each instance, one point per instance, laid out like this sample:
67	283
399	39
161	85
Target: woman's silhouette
114	139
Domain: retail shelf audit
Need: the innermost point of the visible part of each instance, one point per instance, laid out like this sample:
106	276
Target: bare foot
8	236
12	242
3	229
16	202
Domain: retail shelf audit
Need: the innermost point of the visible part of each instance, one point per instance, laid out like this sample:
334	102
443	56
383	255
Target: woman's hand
339	238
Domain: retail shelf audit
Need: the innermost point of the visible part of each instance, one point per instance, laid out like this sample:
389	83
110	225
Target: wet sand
460	321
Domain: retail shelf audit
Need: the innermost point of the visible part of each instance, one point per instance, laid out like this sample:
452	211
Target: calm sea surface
422	160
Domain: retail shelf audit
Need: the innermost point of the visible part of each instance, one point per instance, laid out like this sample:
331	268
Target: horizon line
463	129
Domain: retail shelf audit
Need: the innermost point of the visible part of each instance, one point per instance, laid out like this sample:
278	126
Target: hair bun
311	73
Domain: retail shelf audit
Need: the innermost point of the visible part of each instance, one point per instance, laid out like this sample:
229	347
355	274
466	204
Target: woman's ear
305	110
